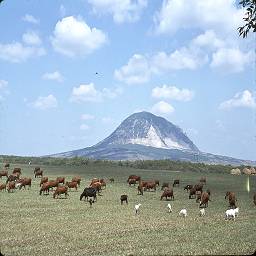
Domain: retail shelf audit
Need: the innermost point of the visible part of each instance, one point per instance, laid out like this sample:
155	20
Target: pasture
31	224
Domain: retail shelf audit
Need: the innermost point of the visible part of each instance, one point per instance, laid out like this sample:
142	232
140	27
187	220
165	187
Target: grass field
40	225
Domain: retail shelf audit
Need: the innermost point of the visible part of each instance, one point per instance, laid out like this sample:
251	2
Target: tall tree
250	17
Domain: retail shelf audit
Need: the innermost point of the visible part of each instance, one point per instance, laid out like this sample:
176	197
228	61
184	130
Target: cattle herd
60	186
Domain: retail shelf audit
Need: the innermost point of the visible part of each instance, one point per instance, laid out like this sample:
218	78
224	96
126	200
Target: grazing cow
71	184
137	208
202	180
124	198
2	187
43	180
25	182
53	183
192	193
176	183
97	186
7	166
45	188
151	185
165	185
204	200
112	180
61	180
169	207
254	198
11	178
188	187
168	192
140	190
11	186
38	173
231	198
143	184
231	213
60	190
183	213
37	169
132	181
77	179
135	177
3	173
89	192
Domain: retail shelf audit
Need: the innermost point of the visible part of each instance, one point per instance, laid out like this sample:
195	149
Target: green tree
250	17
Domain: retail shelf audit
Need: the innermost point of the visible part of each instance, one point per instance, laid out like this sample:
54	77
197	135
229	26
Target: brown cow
11	186
71	184
3	173
132	181
7	166
135	177
60	190
76	179
192	193
17	174
151	185
176	183
254	198
25	182
53	183
45	188
204	200
2	187
231	198
97	186
94	180
43	180
199	187
168	192
60	179
16	169
38	173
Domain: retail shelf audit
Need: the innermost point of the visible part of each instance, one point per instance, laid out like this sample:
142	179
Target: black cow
89	192
124	198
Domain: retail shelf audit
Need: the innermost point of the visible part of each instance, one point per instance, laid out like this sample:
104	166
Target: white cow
231	213
183	213
202	212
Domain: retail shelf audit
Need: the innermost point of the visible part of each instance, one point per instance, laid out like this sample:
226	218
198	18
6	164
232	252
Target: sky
72	71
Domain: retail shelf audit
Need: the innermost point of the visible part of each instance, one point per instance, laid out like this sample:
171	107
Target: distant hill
146	136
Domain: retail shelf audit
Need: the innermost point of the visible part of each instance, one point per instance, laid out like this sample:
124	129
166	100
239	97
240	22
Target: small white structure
183	213
202	212
169	207
231	213
137	208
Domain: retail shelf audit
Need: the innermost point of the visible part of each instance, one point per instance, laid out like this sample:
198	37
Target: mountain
146	136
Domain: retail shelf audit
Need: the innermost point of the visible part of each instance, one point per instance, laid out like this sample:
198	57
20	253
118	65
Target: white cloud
73	37
31	38
31	19
222	15
3	89
44	103
162	107
55	76
121	10
172	92
87	117
231	59
17	52
84	127
88	93
242	99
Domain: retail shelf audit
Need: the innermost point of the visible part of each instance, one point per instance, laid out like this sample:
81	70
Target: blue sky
179	59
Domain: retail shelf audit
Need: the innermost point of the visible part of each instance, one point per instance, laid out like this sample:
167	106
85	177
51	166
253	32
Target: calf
183	213
137	208
204	200
76	179
169	207
231	213
112	180
176	183
124	198
132	181
11	186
